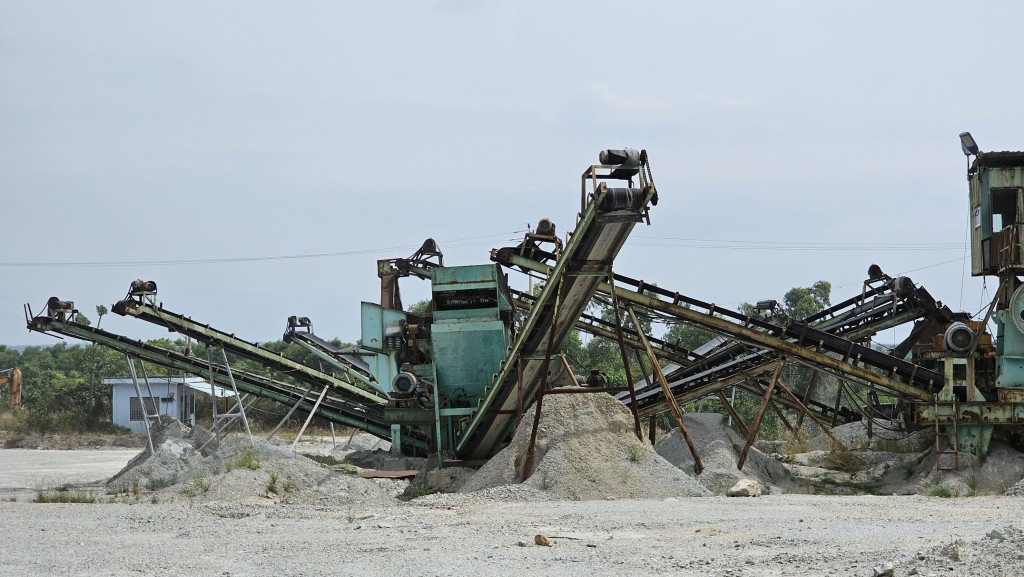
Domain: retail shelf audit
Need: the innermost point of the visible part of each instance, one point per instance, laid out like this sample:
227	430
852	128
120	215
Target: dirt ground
772	535
606	503
23	471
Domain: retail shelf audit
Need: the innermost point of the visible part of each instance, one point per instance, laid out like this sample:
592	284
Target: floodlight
968	144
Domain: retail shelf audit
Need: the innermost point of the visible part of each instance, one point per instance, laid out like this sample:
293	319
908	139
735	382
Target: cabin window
135	408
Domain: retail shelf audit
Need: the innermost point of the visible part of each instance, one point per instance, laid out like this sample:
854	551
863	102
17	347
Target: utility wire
456	243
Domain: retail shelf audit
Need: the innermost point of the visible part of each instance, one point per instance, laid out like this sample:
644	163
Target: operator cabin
174	396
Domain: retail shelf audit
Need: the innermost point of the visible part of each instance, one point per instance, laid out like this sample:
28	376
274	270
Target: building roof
196	383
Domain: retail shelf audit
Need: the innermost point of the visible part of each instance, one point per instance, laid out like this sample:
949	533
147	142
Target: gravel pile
719	448
885	436
586	450
239	471
175	452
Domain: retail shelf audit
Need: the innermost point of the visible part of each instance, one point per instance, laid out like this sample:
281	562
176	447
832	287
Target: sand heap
719	448
239	471
586	449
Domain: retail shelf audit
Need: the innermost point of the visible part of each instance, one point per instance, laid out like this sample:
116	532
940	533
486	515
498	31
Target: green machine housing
435	367
997	249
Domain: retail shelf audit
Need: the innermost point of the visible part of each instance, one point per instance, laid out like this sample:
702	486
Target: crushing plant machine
451	381
454	380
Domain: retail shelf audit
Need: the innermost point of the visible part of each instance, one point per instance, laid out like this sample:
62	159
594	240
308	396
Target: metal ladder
952	447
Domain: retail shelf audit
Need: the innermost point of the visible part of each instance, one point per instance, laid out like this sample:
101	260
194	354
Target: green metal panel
467	353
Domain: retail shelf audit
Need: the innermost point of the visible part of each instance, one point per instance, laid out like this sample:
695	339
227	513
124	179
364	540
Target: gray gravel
773	535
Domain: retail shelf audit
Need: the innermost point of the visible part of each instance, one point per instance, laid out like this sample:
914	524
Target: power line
456	243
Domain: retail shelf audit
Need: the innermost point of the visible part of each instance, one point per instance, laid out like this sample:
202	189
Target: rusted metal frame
756	425
757	391
732	412
769	338
807	393
778	412
625	363
519	390
212	337
640	363
652	428
588	323
806	411
666	391
576	390
545	365
984	323
706	389
568	369
839	400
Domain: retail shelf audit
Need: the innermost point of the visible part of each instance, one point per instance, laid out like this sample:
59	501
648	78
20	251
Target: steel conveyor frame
586	259
333	408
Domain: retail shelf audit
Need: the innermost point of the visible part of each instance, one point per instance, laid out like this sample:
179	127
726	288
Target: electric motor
958	338
404	383
142	287
54	305
627	157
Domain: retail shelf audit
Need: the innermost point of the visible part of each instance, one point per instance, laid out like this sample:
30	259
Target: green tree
802	302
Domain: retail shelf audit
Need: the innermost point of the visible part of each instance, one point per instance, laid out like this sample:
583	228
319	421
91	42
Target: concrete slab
22	471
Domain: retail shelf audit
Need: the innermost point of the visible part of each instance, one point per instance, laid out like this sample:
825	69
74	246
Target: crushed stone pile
586	450
239	471
885	436
1000	553
174	452
719	447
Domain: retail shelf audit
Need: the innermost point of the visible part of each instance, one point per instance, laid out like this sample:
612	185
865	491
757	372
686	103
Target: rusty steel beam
660	377
760	415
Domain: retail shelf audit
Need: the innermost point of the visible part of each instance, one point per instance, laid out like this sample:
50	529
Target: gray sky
790	141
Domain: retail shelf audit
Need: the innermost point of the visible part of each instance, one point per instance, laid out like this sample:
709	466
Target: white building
174	396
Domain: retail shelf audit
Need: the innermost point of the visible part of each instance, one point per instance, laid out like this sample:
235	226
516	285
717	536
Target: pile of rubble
238	471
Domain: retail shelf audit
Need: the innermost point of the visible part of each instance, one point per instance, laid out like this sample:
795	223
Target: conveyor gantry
347	362
334	408
606	218
798	341
145	308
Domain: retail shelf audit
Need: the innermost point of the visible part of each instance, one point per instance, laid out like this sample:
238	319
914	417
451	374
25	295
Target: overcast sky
790	142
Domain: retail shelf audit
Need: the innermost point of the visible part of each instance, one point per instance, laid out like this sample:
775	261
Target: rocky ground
459	535
596	499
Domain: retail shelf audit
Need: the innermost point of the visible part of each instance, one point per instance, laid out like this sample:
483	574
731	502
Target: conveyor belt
344	387
602	229
799	341
752	363
366	417
347	363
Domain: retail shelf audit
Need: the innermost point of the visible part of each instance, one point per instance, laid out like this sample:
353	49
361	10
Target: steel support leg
142	403
666	391
289	414
316	406
732	413
760	415
625	359
545	365
805	411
